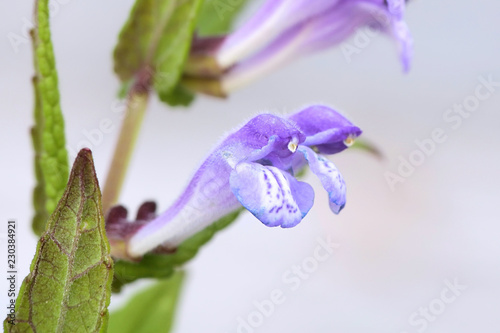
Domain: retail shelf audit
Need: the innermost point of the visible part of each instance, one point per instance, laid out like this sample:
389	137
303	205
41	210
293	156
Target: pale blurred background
396	248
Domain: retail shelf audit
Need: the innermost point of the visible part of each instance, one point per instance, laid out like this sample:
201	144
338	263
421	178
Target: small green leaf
69	285
156	38
131	51
179	96
51	157
150	311
173	45
164	265
217	16
368	147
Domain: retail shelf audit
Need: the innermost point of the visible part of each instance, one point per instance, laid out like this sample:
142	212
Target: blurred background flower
282	31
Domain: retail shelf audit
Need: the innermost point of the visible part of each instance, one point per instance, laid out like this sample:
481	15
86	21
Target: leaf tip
85	152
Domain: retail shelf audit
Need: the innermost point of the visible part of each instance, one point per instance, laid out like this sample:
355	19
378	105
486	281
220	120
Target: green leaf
156	40
367	146
180	96
164	265
151	310
174	43
51	157
217	16
131	51
69	285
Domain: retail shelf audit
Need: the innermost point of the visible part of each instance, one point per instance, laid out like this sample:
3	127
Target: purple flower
284	30
254	167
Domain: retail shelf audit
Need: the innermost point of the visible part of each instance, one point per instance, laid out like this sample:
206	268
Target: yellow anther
349	141
293	144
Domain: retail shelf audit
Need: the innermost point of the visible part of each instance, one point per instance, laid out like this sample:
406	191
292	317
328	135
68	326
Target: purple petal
333	27
391	22
402	34
280	52
325	128
271	20
271	195
206	199
314	30
396	8
339	23
255	33
329	176
208	195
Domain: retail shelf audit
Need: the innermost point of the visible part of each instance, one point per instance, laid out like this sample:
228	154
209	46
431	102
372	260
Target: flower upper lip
325	128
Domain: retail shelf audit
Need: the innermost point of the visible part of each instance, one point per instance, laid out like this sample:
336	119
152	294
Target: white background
397	248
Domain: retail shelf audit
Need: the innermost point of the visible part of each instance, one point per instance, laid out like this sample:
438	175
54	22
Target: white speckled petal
330	178
271	195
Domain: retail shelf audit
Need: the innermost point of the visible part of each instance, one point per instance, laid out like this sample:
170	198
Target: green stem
136	108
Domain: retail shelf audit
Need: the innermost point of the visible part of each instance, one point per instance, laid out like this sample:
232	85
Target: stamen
349	141
293	144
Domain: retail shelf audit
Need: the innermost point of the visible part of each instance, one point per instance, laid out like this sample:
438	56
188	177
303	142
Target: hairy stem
136	108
